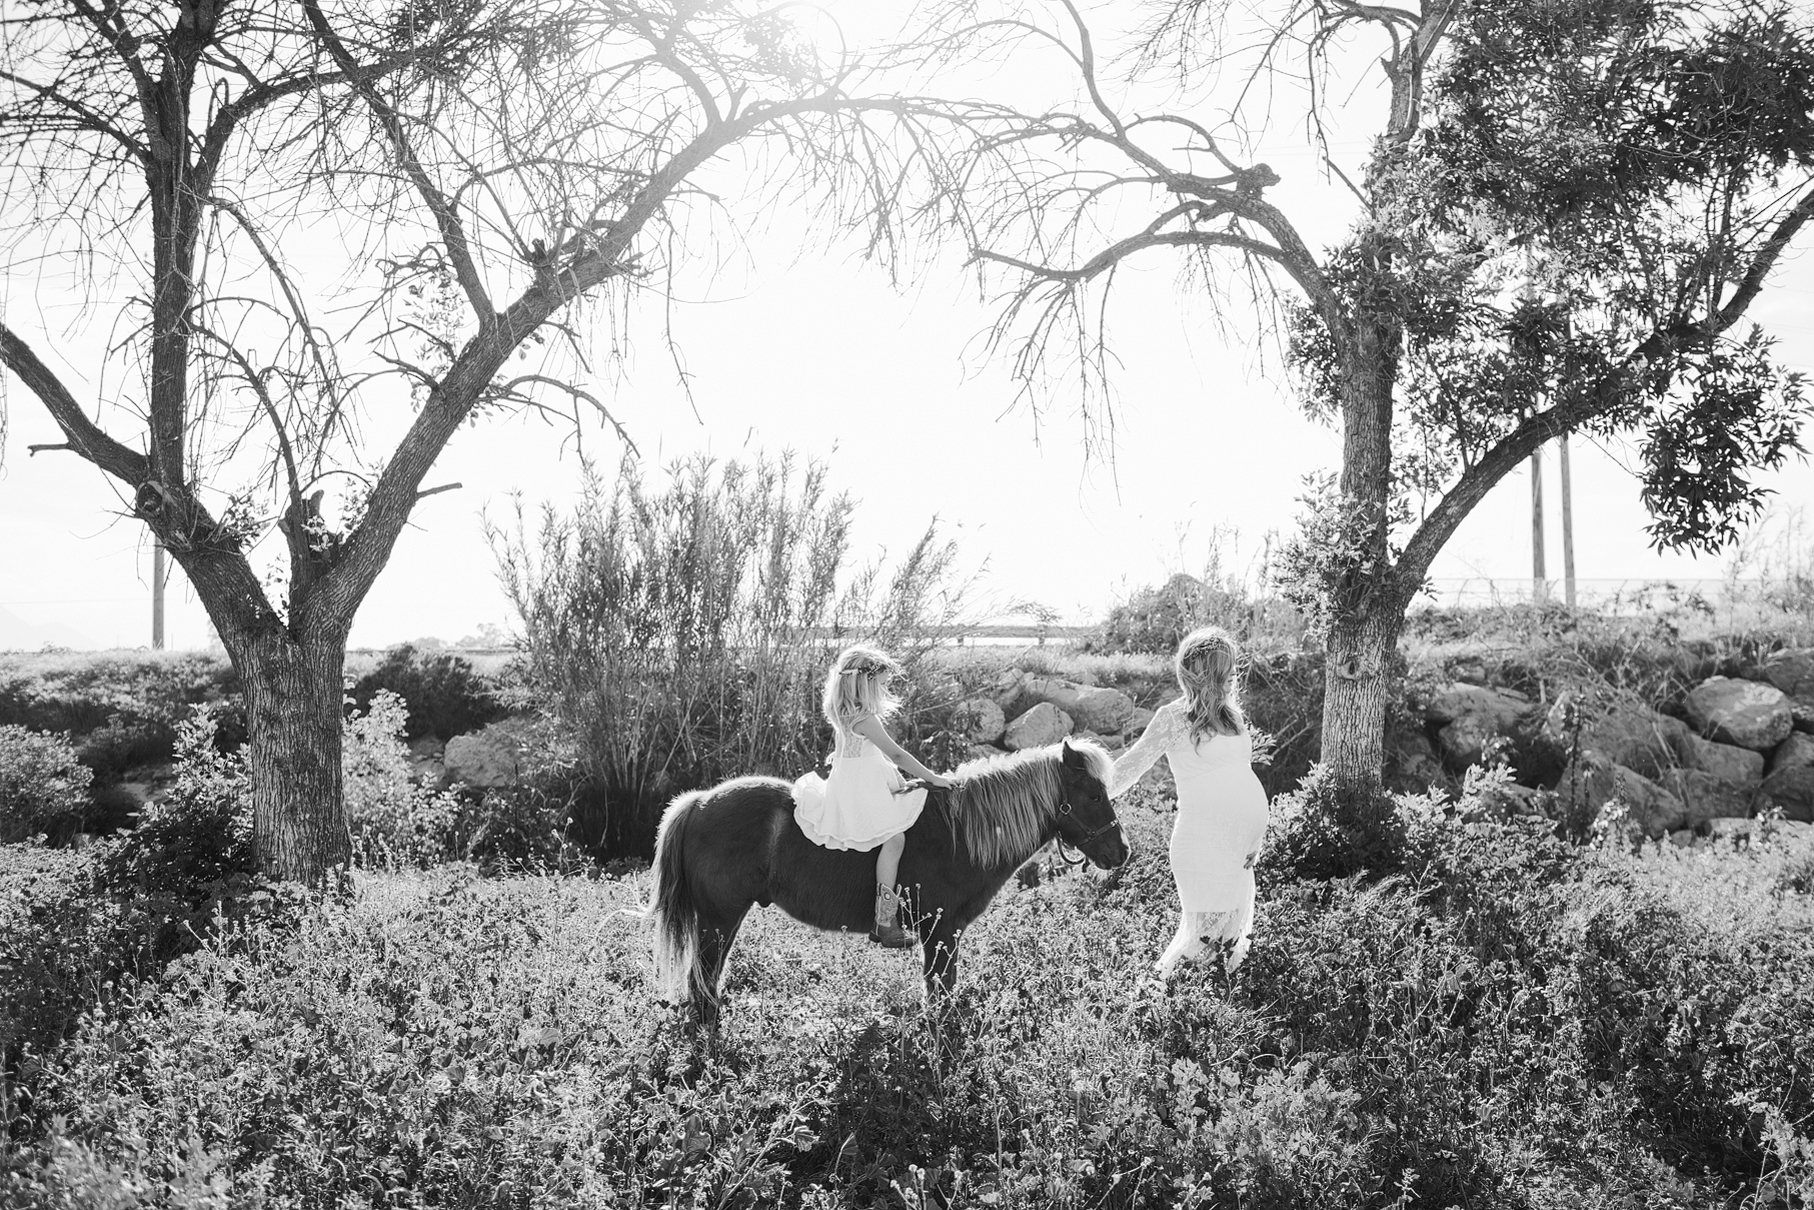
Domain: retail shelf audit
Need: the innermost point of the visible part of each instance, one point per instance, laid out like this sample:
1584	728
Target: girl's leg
888	930
888	860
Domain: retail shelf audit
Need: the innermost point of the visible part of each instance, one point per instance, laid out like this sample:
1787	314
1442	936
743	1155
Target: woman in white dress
1221	804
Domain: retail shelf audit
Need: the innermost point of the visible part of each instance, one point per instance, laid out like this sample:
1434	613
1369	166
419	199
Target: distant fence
1635	595
1605	595
957	636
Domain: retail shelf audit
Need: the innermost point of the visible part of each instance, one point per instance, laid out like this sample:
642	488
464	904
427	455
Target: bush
194	846
393	819
443	695
681	634
42	787
60	941
1155	618
136	699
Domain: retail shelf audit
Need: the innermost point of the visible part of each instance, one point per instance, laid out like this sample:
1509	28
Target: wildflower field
1506	1020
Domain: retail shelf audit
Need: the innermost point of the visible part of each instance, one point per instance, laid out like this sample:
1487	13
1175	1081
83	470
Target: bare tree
309	225
1564	214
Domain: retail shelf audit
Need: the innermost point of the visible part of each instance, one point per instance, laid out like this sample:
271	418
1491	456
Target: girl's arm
1161	731
871	729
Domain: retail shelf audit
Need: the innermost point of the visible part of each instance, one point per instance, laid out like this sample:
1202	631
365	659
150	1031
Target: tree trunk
1361	678
294	694
1367	611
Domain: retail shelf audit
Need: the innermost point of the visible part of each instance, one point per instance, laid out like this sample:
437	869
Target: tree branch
447	220
85	437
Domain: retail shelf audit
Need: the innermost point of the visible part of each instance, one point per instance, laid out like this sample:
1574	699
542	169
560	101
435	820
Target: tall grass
680	629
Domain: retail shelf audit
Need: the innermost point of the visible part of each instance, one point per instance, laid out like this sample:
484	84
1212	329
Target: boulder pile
1030	710
1742	746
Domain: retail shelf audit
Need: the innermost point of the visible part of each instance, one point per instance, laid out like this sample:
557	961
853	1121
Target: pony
720	850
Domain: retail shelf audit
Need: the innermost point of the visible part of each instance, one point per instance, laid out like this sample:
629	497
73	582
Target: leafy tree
484	166
1564	214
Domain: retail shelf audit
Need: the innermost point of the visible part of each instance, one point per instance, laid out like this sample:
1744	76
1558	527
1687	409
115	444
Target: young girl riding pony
865	803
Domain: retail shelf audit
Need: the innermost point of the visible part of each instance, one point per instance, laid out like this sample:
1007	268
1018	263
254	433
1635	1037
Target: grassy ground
1506	1023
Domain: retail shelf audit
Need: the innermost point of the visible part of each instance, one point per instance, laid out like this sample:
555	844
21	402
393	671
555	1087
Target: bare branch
447	220
85	437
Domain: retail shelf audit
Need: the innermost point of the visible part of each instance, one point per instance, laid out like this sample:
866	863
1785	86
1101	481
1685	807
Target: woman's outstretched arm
1161	731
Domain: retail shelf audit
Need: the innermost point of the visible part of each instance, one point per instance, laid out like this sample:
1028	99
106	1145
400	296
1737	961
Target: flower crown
865	665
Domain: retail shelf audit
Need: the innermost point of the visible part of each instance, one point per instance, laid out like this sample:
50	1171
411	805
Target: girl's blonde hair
1208	665
858	684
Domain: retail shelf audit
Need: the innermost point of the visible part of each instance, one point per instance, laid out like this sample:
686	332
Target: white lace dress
1216	837
861	804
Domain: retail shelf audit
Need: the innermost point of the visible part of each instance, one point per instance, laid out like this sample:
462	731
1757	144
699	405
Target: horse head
1086	818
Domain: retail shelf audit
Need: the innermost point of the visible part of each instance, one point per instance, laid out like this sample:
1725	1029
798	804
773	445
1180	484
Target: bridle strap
1064	809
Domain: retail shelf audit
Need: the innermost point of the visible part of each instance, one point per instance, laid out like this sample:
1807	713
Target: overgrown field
1507	1021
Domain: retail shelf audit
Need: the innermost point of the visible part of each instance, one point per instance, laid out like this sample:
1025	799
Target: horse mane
1000	804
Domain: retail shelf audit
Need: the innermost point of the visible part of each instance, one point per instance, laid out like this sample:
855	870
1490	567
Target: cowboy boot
887	932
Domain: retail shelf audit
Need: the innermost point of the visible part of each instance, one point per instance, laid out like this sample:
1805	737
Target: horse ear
1072	756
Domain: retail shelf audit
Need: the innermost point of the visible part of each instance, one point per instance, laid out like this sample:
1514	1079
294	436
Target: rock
1793	791
1009	692
1746	713
1043	724
978	752
1738	831
1705	796
1411	761
1793	753
1801	713
427	747
1473	717
1636	737
1723	761
1094	708
979	720
1683	838
1598	782
431	773
1136	723
490	758
1499	800
1460	701
1469	668
1108	743
1791	670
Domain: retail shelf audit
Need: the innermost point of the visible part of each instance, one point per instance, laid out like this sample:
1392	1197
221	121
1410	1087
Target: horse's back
731	832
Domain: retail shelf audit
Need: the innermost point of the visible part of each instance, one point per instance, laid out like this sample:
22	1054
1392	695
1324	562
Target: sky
888	385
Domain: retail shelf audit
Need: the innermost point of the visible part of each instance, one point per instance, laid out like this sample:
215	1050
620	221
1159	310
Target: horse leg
717	935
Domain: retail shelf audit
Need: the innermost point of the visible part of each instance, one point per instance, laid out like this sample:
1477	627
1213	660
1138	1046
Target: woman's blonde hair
858	684
1208	667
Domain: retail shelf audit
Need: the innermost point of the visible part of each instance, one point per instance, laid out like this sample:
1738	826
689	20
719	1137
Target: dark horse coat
721	850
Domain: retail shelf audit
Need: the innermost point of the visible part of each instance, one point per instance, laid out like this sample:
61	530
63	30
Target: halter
1064	808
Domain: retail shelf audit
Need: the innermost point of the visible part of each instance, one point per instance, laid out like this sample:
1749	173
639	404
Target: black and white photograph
906	604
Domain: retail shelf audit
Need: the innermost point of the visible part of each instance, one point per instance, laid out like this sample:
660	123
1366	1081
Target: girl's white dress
861	804
1221	821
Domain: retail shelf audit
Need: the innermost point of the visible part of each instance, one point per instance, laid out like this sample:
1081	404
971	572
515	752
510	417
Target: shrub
193	846
393	819
1153	619
60	941
42	787
444	696
136	698
681	633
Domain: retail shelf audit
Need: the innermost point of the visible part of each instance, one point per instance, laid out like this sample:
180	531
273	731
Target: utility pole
1568	528
157	595
1539	581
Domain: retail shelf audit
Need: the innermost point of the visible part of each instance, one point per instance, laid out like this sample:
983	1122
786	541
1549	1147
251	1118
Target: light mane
1000	804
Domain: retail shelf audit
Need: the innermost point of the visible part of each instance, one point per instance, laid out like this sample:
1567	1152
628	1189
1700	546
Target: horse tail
675	911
